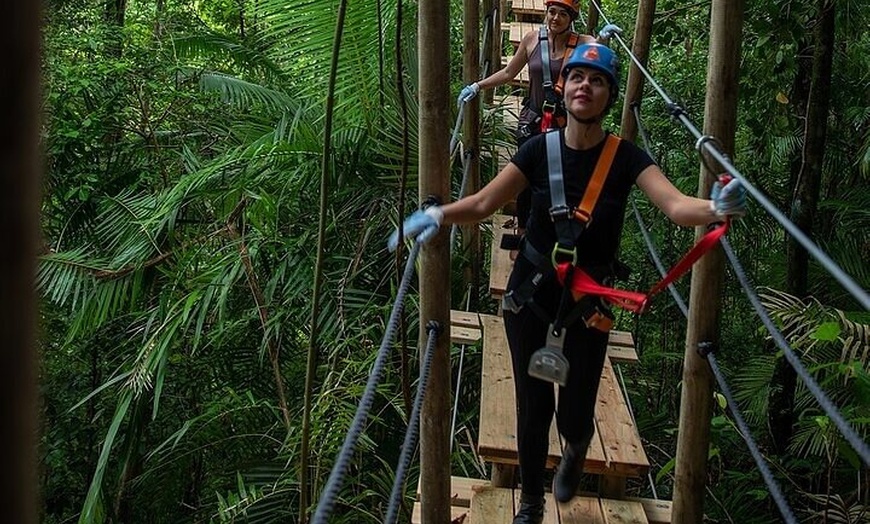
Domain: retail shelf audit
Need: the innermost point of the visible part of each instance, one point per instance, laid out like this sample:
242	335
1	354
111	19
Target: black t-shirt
599	243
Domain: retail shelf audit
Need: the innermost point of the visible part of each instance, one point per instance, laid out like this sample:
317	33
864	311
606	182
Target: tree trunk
803	207
19	220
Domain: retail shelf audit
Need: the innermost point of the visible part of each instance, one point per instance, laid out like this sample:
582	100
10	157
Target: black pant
585	350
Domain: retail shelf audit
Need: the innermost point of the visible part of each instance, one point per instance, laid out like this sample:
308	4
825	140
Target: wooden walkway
476	501
616	452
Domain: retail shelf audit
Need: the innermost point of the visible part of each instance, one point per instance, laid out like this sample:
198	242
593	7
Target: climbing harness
553	108
549	363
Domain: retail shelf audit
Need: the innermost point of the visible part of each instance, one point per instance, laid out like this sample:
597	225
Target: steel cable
766	474
705	142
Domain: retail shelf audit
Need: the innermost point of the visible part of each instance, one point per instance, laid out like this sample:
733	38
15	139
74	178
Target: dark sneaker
568	475
531	510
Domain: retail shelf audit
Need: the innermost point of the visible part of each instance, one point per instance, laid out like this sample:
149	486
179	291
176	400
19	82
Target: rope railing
410	443
859	445
707	143
336	477
830	409
767	476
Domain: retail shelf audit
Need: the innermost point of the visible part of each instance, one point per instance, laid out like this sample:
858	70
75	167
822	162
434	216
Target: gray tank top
532	110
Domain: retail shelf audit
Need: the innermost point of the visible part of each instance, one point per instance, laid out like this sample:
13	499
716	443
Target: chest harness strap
552	92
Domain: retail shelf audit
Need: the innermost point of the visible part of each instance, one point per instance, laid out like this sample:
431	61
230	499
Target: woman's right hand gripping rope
422	224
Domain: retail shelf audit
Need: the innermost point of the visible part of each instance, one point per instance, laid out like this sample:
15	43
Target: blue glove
468	93
728	199
421	224
609	30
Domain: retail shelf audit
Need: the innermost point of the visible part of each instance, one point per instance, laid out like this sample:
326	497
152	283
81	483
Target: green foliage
183	155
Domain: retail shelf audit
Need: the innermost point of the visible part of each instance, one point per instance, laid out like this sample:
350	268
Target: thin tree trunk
803	208
403	186
311	367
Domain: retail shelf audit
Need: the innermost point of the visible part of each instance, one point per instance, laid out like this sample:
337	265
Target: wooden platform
529	9
517	30
616	449
498	505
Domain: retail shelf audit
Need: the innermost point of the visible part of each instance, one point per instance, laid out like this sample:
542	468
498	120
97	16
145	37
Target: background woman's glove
421	224
608	31
728	199
468	93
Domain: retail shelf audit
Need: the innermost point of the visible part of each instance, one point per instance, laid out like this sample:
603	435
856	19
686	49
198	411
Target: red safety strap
633	300
548	121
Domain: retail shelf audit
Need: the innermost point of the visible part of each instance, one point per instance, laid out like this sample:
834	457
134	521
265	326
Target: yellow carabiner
558	251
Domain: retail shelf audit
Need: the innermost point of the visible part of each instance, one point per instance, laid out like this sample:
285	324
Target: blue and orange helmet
599	57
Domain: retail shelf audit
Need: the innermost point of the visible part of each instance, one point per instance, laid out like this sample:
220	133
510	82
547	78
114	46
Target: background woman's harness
553	110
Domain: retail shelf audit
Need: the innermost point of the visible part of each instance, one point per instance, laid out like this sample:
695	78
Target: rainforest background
184	155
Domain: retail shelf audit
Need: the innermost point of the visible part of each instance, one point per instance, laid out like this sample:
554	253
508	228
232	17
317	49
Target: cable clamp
705	348
675	109
433	326
431	200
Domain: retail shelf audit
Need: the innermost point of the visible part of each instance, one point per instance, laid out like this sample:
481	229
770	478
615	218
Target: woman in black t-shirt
591	88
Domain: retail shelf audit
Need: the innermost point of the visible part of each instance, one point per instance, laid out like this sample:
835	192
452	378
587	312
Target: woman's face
587	92
558	19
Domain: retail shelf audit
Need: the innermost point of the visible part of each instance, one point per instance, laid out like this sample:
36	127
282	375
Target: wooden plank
457	514
581	510
622	338
501	263
462	489
617	430
517	30
469	319
491	506
497	436
623	512
464	335
657	511
529	9
497	441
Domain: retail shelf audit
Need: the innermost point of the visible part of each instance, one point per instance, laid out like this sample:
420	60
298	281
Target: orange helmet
573	6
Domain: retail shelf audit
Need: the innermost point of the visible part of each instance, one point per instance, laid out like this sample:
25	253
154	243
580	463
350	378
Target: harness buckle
563	254
509	302
548	107
562	212
582	216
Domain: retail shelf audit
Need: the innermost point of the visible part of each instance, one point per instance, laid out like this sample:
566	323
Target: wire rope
342	462
704	142
827	405
459	374
771	483
858	444
410	442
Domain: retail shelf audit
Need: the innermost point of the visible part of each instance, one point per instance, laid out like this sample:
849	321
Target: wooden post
432	52
646	10
591	19
471	135
720	116
19	210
